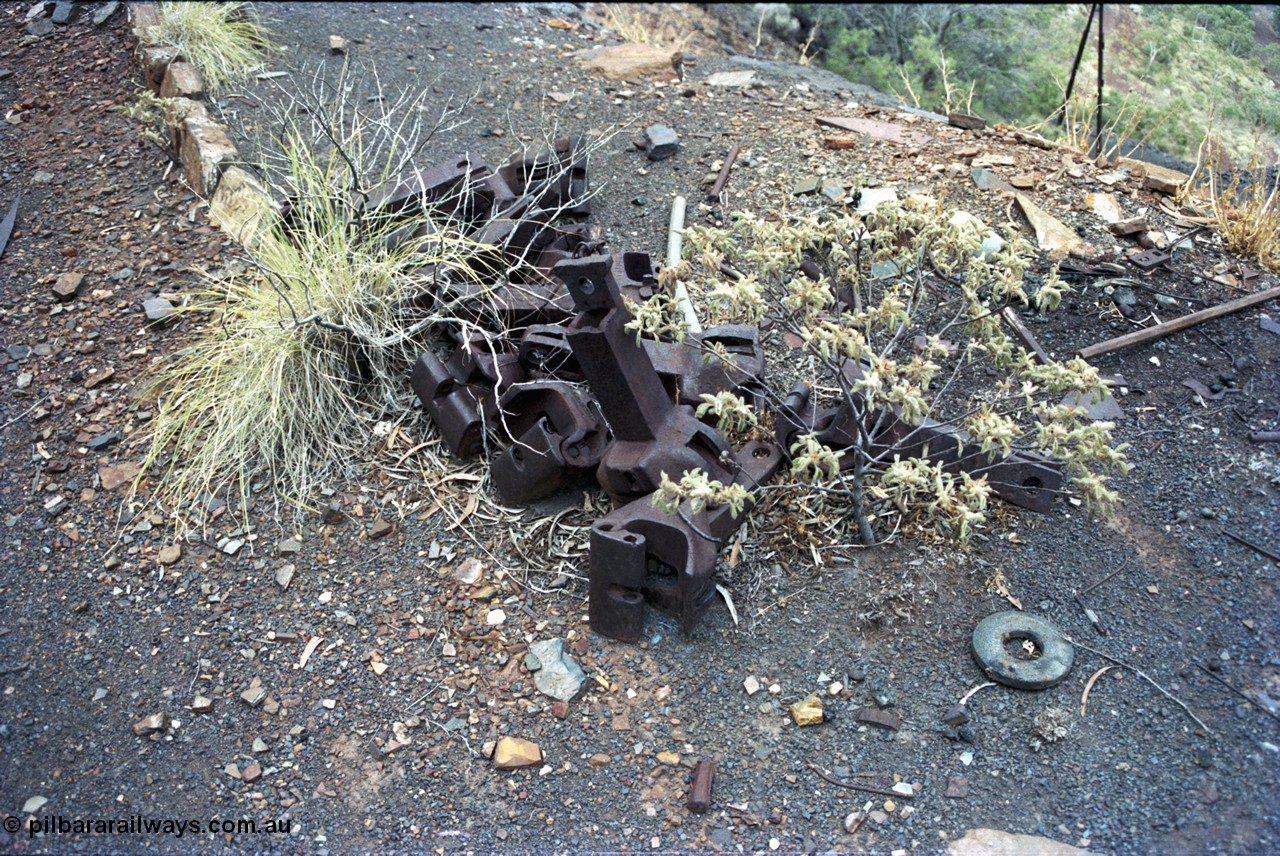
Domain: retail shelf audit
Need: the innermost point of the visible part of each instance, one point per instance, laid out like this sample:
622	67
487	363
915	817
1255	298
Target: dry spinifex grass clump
223	40
1245	202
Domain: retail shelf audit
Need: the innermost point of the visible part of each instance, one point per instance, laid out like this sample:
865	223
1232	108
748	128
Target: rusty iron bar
1159	331
723	178
1107	578
700	791
1024	333
6	227
1075	66
1262	551
1098	131
853	786
1253	701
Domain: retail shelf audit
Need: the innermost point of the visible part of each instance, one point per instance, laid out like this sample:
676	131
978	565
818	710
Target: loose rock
807	712
511	753
560	676
633	60
98	378
661	142
149	725
67	286
993	842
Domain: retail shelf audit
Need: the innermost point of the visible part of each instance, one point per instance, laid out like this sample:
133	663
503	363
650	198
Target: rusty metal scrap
1021	478
700	790
542	361
573	393
882	718
558	436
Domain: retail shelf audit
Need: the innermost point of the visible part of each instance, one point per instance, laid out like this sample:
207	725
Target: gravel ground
373	738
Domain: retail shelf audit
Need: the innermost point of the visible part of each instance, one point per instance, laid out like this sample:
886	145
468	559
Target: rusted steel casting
575	397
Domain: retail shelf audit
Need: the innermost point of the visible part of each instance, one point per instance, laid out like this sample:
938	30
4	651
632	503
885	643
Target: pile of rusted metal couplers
579	397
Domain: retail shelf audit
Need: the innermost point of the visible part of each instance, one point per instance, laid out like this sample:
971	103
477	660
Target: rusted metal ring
1042	672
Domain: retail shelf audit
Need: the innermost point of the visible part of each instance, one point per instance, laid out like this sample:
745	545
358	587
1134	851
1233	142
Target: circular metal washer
991	634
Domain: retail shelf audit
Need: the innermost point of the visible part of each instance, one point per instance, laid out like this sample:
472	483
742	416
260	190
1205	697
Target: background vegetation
1176	65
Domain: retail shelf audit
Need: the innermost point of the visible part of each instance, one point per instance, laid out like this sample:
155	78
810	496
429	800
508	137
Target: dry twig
1179	702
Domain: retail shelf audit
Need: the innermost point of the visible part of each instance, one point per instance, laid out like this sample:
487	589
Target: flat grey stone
806	186
62	12
101	16
40	27
104	440
1104	409
871	198
560	677
661	142
733	79
158	310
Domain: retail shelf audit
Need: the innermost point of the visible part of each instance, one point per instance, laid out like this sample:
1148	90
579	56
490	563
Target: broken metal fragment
882	718
700	791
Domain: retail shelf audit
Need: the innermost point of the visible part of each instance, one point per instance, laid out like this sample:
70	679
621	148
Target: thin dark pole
1071	81
1098	132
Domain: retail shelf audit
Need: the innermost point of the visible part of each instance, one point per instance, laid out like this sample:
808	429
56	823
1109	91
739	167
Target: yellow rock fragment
807	712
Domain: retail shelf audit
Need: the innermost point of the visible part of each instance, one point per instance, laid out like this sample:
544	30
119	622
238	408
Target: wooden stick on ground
853	786
1024	333
1159	331
1122	664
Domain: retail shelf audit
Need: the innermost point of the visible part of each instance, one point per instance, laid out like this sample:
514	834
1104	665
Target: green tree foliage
1008	53
1180	63
1228	26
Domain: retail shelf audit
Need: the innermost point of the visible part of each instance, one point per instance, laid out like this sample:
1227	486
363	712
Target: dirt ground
372	738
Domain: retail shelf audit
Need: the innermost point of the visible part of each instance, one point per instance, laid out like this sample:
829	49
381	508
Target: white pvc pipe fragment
674	242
